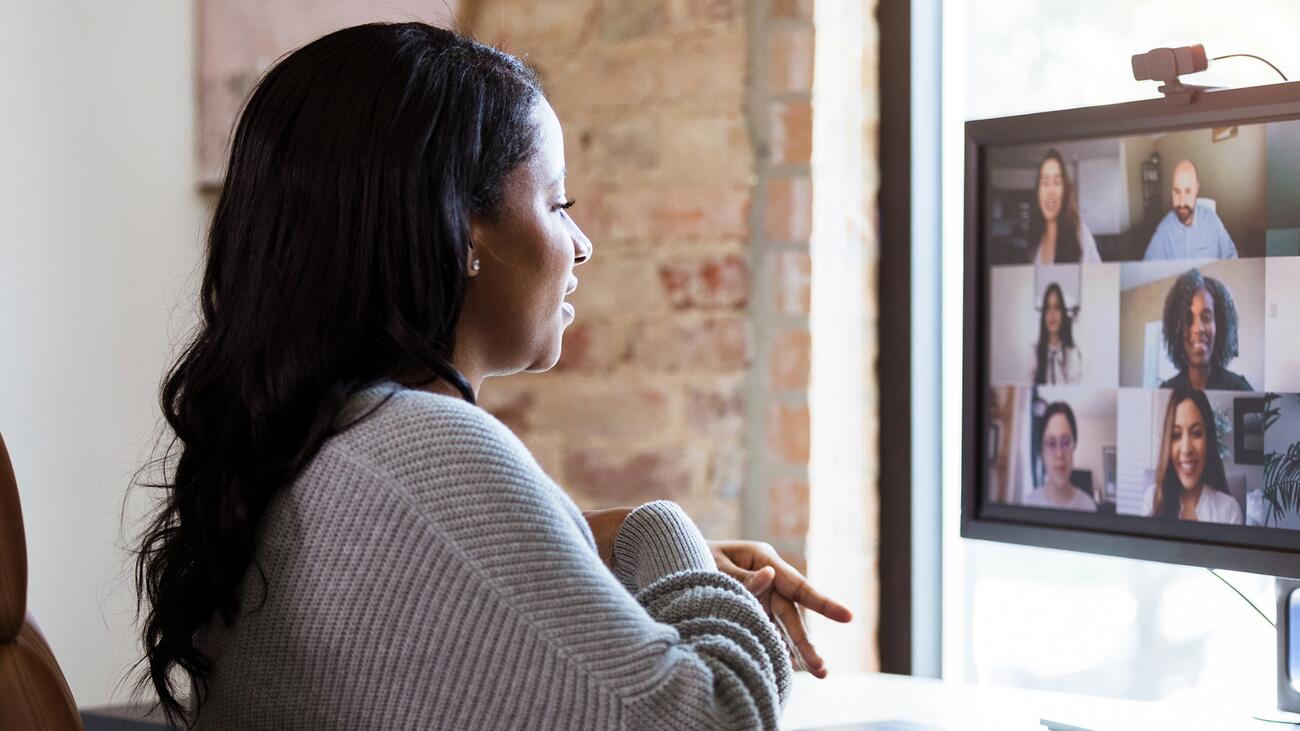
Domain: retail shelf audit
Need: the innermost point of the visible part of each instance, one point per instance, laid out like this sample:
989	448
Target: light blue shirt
1206	238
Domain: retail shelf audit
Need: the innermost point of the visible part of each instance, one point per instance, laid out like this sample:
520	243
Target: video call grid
1136	374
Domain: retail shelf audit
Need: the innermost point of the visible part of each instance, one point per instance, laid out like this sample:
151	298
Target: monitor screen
1135	326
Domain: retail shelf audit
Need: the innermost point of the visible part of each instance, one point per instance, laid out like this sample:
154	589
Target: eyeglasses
1051	444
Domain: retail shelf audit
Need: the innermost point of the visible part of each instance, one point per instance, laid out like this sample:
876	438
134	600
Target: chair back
33	692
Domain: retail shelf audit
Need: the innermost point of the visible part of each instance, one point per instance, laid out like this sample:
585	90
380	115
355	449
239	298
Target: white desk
846	699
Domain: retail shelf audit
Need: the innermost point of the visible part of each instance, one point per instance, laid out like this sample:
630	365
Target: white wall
1096	331
1014	323
1281	316
101	229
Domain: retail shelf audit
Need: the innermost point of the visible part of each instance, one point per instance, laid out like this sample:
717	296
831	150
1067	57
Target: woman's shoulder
439	449
1223	507
407	429
1088	253
1234	381
1081	500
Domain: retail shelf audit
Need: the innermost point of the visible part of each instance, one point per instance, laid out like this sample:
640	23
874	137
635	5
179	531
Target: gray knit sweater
423	572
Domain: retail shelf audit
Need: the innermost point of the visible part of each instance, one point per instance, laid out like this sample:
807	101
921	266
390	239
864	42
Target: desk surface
846	699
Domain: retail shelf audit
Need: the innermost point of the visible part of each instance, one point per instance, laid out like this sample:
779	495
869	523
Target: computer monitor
1132	330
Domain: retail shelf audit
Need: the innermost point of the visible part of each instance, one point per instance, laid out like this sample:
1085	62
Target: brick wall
780	107
687	131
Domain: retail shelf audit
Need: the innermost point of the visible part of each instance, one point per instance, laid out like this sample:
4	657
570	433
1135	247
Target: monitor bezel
1254	105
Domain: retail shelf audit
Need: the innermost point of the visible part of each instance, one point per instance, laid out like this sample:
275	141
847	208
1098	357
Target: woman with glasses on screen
1056	359
1056	232
1056	442
1190	483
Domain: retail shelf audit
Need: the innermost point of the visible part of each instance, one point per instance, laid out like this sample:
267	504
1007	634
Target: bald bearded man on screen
1191	230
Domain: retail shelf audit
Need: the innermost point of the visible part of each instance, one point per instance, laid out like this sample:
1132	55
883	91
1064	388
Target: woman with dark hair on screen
1056	359
1057	439
345	540
1056	233
1189	480
1200	329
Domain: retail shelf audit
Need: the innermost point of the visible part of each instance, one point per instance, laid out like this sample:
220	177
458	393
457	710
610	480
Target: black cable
1257	58
1271	623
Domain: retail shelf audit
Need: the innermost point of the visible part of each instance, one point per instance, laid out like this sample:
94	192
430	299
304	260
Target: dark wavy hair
1066	335
1169	490
1178	317
337	257
1067	221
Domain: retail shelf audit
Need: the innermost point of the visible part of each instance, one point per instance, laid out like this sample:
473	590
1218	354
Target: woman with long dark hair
1190	483
1056	232
345	539
1056	359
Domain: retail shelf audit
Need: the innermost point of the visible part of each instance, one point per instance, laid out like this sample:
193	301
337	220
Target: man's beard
1184	214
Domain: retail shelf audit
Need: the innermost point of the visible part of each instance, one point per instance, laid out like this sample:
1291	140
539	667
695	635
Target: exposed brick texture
688	139
790	132
795	9
792	59
789	359
649	397
788	519
788	216
787	431
791	282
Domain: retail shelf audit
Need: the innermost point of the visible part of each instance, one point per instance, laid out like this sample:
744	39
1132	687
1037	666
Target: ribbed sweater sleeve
425	573
655	540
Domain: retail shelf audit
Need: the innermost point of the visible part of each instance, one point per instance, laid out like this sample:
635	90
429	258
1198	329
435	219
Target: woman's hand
604	527
782	590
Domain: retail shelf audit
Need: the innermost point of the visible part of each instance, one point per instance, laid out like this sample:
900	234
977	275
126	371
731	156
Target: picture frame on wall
238	40
1248	430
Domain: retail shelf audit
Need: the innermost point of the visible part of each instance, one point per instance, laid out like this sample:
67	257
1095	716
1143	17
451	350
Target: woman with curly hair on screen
1190	483
1200	329
344	538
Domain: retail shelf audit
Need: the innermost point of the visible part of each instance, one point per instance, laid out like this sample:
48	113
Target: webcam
1167	64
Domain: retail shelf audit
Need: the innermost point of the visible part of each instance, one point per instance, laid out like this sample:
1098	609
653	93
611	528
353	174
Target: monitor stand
1288	655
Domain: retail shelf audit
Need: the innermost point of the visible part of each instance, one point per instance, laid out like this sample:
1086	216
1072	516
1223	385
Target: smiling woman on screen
1190	483
1200	331
1056	232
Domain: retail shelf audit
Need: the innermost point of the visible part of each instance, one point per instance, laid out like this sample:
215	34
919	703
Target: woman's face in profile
1058	449
1052	313
1187	444
515	302
1051	188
